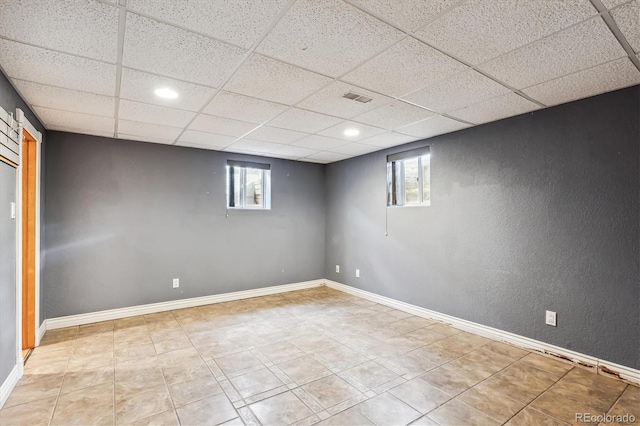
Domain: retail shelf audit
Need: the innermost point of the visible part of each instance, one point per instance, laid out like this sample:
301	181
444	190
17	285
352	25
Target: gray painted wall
531	213
124	218
7	271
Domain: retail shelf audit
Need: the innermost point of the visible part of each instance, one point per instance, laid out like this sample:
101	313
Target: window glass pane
411	184
233	186
253	188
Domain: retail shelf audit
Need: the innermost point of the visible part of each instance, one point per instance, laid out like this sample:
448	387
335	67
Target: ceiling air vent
357	98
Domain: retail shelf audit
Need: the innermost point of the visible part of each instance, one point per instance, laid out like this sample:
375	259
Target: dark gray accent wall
532	213
8	324
124	218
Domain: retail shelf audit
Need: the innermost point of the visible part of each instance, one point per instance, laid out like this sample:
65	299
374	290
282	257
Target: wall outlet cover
176	282
551	318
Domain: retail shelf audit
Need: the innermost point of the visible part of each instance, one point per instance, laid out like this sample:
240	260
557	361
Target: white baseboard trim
40	332
112	314
602	366
10	383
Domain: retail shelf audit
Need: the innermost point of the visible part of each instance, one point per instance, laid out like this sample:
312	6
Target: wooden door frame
30	132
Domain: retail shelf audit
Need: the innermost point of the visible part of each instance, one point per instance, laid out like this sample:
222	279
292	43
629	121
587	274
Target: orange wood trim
29	167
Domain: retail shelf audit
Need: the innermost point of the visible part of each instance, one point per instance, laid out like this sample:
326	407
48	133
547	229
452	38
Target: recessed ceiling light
165	92
351	132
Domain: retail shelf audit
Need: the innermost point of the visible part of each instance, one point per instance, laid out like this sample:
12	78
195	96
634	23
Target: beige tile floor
305	357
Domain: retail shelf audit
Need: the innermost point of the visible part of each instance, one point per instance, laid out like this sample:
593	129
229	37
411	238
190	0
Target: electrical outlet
551	318
338	268
357	273
13	210
176	282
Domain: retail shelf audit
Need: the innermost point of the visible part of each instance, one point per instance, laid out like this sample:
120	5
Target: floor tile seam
529	405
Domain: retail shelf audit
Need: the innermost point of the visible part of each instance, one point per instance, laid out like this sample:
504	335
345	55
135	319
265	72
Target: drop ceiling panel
276	135
495	109
319	142
65	99
81	27
80	131
221	125
337	131
327	36
434	126
239	22
602	78
609	4
386	140
146	113
394	114
479	30
145	139
408	14
464	89
211	140
405	67
326	157
331	100
304	121
56	69
627	18
577	48
253	146
275	81
146	130
290	151
240	107
354	149
139	86
163	49
75	120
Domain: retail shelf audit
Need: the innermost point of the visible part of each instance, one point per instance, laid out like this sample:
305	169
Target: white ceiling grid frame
394	114
480	30
602	78
66	99
304	121
153	114
606	17
241	27
240	107
150	45
206	139
327	36
573	49
90	26
495	109
627	18
75	119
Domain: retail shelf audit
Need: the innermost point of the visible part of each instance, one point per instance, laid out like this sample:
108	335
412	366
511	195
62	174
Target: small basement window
248	185
409	178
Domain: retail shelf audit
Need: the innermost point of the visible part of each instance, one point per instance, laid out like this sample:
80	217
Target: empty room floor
305	357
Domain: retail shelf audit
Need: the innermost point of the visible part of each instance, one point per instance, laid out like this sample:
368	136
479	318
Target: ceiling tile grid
627	17
139	86
237	22
304	121
66	99
44	66
479	30
403	68
156	47
269	77
582	46
593	81
275	81
495	109
394	114
245	108
463	89
327	36
90	27
75	120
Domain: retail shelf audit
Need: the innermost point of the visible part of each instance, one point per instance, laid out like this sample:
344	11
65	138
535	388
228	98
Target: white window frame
400	193
265	178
